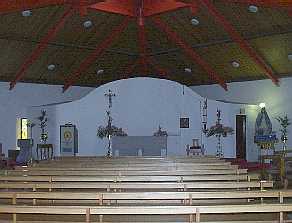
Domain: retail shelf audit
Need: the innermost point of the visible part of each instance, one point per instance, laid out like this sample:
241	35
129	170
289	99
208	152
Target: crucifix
110	96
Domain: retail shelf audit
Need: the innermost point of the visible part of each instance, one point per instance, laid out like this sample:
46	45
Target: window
21	128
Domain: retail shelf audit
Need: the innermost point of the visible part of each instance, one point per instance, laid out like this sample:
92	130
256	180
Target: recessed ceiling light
188	70
26	13
195	21
253	8
51	67
87	24
290	56
100	71
235	64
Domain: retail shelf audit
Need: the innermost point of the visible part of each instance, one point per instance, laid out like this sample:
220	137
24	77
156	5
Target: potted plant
284	123
43	123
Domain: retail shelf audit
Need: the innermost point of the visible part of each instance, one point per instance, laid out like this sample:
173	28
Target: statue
263	124
264	137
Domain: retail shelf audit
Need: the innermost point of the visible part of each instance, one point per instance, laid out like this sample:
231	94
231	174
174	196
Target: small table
45	151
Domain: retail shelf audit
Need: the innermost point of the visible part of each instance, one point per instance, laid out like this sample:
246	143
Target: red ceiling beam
144	59
189	51
125	8
141	34
97	52
244	45
154	7
41	47
151	7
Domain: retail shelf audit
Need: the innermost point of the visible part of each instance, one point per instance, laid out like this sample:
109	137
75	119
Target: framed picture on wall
184	123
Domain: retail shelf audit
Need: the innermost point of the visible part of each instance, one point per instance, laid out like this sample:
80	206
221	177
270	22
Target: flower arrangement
219	129
103	132
160	132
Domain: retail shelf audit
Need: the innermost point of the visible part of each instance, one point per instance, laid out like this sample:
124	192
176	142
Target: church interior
145	111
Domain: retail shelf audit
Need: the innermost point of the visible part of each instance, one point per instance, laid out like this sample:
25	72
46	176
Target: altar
139	145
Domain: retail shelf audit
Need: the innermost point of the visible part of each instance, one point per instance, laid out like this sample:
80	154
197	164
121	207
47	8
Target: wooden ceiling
269	31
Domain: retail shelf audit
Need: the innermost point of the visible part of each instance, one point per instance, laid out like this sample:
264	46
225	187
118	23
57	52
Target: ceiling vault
41	47
244	45
108	40
139	11
190	52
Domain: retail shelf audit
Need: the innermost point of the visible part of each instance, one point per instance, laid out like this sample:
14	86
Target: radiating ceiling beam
144	60
141	34
152	7
189	51
244	45
41	47
100	49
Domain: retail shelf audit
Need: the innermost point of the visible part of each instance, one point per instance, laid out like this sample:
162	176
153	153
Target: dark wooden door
241	137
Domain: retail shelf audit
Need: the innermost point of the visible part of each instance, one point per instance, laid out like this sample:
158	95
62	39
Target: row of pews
139	189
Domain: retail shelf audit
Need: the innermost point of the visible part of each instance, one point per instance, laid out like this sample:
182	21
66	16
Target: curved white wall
140	106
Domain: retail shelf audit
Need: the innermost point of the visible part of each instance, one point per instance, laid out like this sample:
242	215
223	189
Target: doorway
241	137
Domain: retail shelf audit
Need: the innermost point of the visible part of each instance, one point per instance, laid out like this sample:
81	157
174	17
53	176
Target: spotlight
98	72
195	21
188	70
51	67
235	64
26	13
253	8
87	24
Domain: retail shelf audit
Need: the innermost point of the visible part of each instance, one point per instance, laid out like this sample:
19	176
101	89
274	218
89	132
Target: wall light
262	105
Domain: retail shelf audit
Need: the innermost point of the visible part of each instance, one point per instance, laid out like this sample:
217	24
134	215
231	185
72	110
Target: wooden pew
99	198
168	178
218	185
133	168
194	212
133	159
124	164
80	172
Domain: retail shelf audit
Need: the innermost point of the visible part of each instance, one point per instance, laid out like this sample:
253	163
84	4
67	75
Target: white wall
14	105
277	99
140	106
